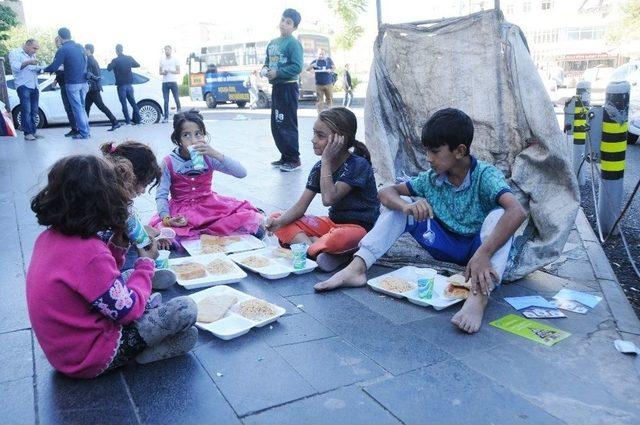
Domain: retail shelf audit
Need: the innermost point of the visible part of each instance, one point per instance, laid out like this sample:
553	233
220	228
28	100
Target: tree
627	27
8	20
348	12
45	37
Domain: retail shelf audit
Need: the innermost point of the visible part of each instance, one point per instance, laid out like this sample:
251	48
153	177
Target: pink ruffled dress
206	211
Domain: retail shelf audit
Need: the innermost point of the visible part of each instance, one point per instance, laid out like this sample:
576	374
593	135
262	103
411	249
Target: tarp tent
481	65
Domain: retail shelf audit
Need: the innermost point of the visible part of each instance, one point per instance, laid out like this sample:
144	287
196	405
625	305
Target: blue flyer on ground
582	297
529	301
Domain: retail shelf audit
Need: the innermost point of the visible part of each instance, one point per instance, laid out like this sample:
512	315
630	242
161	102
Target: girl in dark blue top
344	178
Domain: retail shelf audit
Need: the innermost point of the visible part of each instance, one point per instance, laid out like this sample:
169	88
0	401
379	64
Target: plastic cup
299	254
197	160
136	232
162	262
426	278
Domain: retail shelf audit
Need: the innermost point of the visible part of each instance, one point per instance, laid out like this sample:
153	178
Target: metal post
583	97
379	12
594	133
496	4
569	113
612	154
4	95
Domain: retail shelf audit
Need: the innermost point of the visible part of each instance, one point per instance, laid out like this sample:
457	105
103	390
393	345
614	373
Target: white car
631	72
147	91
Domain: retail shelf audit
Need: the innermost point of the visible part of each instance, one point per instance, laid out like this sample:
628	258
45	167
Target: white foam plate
210	279
247	243
438	301
280	267
233	325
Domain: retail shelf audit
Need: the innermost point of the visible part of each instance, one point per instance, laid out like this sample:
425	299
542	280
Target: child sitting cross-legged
88	317
347	186
468	206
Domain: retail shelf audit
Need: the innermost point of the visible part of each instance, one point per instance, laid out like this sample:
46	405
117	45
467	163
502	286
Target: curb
623	314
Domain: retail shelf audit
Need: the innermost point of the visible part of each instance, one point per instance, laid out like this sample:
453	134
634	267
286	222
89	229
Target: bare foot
352	275
469	318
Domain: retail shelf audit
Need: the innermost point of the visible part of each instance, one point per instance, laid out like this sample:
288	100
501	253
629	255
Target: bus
228	67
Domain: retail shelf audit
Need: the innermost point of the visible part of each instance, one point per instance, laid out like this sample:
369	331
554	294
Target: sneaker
164	120
38	136
71	133
172	346
29	137
290	166
330	262
79	136
163	278
277	163
115	126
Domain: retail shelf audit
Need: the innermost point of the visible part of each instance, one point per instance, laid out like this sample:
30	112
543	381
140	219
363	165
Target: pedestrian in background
169	69
323	67
282	66
25	70
121	66
347	87
63	95
252	85
95	87
71	55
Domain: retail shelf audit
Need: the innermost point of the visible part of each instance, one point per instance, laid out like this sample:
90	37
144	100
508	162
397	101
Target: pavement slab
448	392
17	406
344	406
16	358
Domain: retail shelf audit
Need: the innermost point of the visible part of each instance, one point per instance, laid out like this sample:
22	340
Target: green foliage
627	27
348	12
8	20
19	34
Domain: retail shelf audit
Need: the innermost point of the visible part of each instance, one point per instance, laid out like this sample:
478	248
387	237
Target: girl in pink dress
193	208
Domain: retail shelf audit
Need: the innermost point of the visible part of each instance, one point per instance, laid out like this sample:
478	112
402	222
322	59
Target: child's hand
420	209
207	149
481	273
333	149
152	231
164	244
150	251
178	221
272	225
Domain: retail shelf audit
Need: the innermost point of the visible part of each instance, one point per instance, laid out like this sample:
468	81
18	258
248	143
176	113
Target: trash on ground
626	347
530	329
582	297
529	301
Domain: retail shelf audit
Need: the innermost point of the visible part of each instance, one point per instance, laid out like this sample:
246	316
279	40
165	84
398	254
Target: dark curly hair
144	162
82	197
180	118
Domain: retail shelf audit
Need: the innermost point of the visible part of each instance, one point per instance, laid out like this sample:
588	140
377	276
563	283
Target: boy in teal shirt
282	66
466	204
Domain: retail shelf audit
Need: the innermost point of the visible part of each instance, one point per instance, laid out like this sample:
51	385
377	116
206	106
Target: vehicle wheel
211	100
150	112
263	100
41	121
241	104
632	138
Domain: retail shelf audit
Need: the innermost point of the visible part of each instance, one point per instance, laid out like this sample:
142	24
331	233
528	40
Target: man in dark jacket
71	55
95	87
121	66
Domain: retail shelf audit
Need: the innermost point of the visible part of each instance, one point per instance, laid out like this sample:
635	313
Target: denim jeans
348	97
29	106
125	93
77	94
173	87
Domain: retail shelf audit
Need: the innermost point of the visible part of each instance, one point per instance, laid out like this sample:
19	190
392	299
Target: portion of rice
257	310
396	284
220	266
256	261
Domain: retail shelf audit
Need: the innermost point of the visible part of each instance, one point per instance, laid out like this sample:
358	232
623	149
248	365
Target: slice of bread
213	308
452	291
459	280
189	271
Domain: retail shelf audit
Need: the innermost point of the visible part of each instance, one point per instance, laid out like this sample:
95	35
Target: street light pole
379	12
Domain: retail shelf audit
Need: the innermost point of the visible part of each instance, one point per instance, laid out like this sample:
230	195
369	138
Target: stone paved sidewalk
346	357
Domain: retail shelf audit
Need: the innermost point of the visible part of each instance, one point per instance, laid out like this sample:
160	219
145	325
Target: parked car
631	72
148	93
598	77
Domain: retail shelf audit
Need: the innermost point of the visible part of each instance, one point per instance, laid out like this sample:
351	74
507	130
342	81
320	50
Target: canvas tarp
481	65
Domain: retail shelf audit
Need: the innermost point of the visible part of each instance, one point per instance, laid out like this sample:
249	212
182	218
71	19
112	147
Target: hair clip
112	148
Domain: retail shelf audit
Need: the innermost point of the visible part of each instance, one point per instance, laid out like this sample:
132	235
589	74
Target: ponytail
360	149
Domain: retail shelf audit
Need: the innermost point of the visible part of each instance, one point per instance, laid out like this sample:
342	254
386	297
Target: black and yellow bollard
583	99
613	148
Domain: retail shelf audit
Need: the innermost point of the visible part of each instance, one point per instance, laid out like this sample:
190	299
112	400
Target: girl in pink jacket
87	316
